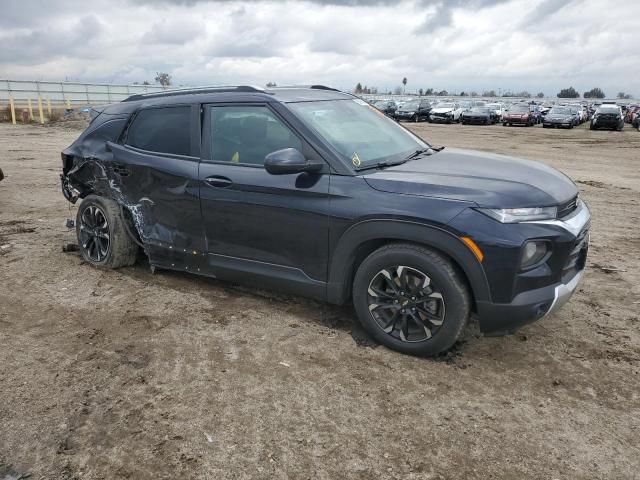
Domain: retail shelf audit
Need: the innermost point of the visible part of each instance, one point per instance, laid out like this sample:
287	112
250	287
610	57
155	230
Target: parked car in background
388	107
559	116
240	184
575	111
498	110
632	111
636	121
445	112
536	113
414	111
608	116
518	114
465	105
479	116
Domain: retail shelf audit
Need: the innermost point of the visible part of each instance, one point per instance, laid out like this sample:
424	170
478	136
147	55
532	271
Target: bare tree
163	79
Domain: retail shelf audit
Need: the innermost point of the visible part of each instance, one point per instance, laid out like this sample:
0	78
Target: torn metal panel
160	192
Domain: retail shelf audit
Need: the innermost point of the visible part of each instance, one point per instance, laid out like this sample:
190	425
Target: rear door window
162	130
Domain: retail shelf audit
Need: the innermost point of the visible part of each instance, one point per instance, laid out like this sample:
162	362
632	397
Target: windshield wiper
415	154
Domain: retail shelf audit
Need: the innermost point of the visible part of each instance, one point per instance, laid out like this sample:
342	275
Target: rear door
261	228
155	174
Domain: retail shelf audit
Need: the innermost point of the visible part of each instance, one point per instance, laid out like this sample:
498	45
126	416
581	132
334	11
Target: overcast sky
537	45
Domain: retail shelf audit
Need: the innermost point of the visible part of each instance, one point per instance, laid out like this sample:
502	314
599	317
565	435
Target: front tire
411	299
102	237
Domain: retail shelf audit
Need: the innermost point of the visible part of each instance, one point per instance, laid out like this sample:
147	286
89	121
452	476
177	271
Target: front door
265	229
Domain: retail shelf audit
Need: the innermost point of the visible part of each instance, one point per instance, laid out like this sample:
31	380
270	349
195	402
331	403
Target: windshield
411	105
608	110
519	109
445	105
465	104
560	111
480	109
361	134
494	106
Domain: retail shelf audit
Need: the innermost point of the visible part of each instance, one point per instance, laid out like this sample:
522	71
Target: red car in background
632	113
519	114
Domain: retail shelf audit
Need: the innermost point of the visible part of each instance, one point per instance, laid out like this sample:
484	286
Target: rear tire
103	240
411	299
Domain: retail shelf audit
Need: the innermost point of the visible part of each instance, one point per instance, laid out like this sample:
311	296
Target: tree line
570	92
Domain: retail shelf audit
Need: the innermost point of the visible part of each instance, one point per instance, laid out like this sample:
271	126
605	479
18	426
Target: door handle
218	181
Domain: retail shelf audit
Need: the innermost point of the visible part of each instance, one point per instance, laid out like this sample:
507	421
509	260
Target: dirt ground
125	374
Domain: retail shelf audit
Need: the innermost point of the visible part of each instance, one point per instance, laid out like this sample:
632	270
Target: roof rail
314	87
195	90
323	87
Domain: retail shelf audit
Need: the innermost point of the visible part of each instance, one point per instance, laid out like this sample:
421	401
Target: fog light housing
533	251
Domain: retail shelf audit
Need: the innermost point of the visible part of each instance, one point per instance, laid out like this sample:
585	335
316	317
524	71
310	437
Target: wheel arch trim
341	264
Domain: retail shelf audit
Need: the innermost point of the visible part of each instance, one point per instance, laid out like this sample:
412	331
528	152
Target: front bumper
532	304
527	307
405	115
516	120
557	123
477	120
441	118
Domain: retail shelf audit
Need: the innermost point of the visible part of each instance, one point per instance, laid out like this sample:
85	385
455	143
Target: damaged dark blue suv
314	192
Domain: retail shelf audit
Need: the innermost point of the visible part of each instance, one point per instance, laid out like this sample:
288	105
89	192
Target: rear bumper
527	307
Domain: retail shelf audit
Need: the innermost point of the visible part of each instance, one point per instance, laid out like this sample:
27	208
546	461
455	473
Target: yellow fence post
49	106
30	109
68	104
13	110
40	109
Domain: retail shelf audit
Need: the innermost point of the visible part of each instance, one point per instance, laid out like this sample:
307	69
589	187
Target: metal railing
44	97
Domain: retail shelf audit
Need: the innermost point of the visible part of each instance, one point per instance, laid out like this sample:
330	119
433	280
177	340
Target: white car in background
498	108
446	112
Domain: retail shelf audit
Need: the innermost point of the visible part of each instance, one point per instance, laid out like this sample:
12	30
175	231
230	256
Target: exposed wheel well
368	247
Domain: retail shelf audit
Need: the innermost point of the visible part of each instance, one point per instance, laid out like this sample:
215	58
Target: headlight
515	215
532	252
449	114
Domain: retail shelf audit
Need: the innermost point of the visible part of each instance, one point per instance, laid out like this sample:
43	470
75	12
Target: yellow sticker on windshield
356	160
235	158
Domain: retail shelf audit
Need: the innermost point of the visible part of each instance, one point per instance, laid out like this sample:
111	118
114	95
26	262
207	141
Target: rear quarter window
162	130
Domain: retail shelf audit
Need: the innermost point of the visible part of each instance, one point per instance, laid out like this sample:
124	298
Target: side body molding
341	264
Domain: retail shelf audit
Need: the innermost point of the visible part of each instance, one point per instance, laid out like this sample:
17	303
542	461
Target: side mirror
289	160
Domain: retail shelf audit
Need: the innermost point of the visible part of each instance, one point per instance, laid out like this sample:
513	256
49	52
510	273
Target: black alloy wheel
405	304
95	239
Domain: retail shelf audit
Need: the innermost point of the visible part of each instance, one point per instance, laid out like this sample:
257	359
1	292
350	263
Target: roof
282	94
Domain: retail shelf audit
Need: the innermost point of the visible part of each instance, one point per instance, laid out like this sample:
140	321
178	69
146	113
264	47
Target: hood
489	180
559	116
442	110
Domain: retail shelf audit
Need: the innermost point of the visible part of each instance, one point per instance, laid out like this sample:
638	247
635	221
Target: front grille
568	207
578	255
